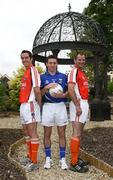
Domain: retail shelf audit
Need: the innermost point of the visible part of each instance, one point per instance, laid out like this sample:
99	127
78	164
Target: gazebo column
105	79
33	62
96	104
105	100
100	106
96	76
55	52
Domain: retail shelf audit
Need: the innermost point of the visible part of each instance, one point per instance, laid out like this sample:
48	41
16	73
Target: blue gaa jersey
59	78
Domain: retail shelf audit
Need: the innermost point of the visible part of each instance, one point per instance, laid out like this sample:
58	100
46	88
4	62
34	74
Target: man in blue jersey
54	110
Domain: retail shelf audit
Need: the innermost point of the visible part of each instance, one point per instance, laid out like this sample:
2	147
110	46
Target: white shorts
54	114
83	118
29	112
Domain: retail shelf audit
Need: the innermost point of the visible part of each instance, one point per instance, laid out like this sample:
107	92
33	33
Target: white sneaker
48	163
63	164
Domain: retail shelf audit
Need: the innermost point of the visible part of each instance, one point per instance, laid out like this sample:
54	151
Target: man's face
80	61
26	60
52	65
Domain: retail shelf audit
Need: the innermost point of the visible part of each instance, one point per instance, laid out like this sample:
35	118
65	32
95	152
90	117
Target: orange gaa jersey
30	79
78	77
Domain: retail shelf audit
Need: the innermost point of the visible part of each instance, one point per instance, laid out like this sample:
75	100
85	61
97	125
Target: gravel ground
55	172
7	169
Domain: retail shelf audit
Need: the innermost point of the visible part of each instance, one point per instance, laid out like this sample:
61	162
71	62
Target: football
57	89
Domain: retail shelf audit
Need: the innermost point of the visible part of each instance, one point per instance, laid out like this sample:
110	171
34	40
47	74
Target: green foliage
40	69
102	12
89	71
110	87
74	53
4	96
14	86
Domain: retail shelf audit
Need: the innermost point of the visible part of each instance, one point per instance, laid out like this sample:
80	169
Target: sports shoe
77	168
24	161
62	164
82	163
31	167
48	163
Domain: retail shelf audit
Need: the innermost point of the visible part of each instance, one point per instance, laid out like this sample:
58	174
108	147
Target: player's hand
78	110
51	85
59	95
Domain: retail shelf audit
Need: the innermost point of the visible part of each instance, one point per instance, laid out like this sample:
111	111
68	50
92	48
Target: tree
14	86
102	12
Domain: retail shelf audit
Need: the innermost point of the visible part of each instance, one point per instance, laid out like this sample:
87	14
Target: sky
20	20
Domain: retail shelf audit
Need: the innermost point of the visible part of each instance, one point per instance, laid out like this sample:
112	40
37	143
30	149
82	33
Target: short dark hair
81	53
51	57
29	53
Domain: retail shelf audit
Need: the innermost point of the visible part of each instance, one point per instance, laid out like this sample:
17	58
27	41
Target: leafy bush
4	96
110	87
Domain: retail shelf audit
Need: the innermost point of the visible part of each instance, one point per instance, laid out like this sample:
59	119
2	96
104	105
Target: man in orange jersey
30	100
79	108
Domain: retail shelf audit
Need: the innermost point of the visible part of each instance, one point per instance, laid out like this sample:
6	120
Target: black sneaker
82	163
77	168
24	161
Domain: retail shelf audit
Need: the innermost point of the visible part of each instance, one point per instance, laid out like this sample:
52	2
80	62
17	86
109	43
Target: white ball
57	89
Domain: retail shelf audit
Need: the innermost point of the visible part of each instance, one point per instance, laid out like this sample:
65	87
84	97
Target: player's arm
72	80
38	95
36	85
73	96
43	91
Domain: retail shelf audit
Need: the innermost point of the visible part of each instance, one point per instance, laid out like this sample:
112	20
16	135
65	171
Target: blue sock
48	151
62	152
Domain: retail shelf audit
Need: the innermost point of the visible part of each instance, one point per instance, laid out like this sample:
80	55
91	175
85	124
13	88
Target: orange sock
28	143
74	149
34	149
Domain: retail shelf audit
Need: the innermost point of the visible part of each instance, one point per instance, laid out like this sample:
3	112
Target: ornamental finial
69	7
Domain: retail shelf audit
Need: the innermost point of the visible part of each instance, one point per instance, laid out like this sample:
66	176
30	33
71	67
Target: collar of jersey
77	67
29	67
57	72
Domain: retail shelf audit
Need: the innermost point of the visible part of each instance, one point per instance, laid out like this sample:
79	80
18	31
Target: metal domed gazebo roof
68	31
74	31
